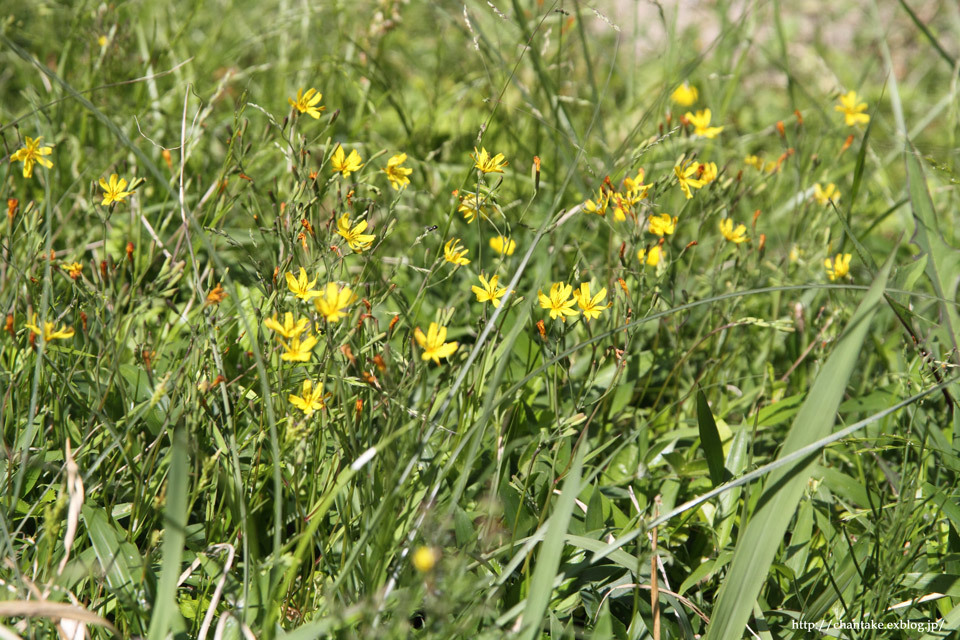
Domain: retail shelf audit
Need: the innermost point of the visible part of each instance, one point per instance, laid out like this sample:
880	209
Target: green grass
788	441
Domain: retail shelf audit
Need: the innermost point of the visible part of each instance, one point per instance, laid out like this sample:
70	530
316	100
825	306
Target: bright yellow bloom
433	344
662	224
453	252
851	110
737	235
683	173
754	161
685	95
311	399
31	154
623	202
307	102
298	350
396	173
486	163
636	190
590	307
113	191
598	206
301	285
289	328
345	164
334	300
651	257
708	172
503	245
839	267
470	206
558	302
75	269
824	196
701	124
355	236
424	559
49	331
489	291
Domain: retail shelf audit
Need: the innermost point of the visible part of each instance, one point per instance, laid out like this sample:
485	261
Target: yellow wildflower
839	267
503	245
590	307
113	191
708	172
489	292
662	224
298	350
453	252
652	256
75	269
685	95
355	236
424	559
486	163
684	179
334	300
311	399
825	196
558	302
289	328
396	173
470	206
307	102
701	124
433	344
851	110
49	331
30	154
737	235
301	285
754	161
636	190
345	164
598	206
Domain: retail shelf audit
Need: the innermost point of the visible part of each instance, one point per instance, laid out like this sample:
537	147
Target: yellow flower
590	307
701	124
102	41
311	399
558	302
503	245
49	331
453	252
298	350
424	559
651	257
598	206
301	285
75	269
685	95
824	196
307	102
334	300
795	253
636	190
489	291
851	110
708	172
737	235
113	191
289	328
683	173
470	206
486	163
345	164
396	173
433	344
839	267
755	162
355	236
662	224
31	154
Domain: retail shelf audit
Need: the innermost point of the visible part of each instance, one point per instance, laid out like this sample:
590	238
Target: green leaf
710	439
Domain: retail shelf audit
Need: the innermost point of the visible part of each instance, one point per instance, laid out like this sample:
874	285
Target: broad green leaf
710	439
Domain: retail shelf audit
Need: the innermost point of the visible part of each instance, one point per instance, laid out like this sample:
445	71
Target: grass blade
710	439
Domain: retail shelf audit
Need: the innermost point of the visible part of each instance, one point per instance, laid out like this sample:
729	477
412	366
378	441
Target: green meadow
514	319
